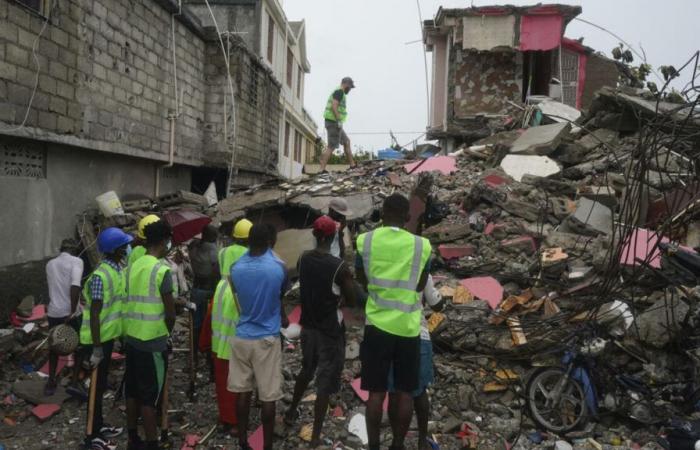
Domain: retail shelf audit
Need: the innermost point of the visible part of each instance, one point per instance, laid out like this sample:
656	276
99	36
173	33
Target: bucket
109	204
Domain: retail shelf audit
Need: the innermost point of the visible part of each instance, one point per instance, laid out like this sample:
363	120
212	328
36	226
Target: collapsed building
486	58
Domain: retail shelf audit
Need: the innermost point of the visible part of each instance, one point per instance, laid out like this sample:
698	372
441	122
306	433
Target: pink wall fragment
540	32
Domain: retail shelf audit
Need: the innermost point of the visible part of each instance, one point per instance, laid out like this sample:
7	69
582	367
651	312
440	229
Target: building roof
568	12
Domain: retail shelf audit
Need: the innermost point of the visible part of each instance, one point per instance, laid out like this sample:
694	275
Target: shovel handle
91	402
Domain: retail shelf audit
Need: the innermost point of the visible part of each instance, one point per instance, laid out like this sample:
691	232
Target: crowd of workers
236	305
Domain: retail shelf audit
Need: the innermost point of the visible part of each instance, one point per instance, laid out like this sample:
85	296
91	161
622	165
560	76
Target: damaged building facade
280	46
131	97
486	59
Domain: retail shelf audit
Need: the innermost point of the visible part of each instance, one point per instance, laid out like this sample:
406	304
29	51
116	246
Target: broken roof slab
516	166
541	140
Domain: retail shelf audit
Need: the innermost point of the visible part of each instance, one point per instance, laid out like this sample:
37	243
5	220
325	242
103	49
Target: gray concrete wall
36	214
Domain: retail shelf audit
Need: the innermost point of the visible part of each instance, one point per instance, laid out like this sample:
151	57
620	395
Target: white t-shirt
62	272
432	297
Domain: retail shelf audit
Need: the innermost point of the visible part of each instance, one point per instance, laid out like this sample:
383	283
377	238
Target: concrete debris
517	166
541	140
538	235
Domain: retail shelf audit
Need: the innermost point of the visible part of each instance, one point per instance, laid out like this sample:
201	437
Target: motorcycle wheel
564	415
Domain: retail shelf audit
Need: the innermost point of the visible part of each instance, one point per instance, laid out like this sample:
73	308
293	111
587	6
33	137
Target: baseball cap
348	80
324	226
340	205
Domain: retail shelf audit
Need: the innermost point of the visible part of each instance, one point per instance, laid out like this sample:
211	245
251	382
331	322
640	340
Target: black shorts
145	375
380	351
324	356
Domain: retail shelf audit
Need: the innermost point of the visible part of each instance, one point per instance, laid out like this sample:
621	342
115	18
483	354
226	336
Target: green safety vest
144	312
224	316
113	294
135	254
224	313
329	115
393	261
228	256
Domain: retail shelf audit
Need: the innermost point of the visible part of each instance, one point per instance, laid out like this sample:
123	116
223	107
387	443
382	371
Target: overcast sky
366	39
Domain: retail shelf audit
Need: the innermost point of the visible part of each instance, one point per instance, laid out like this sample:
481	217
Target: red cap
324	226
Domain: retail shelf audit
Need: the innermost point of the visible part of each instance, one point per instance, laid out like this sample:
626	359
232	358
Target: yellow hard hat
242	229
146	221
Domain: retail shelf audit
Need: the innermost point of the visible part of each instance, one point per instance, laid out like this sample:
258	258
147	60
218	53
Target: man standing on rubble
259	281
335	115
394	266
104	294
149	317
224	315
322	279
64	275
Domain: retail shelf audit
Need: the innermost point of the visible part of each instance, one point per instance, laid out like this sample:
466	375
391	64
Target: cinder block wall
599	72
106	75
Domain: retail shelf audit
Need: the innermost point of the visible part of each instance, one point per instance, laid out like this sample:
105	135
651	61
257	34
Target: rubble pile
543	237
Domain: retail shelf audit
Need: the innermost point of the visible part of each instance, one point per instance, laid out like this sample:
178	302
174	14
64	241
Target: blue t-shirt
259	282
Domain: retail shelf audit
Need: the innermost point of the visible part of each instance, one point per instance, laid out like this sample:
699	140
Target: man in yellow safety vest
224	315
104	294
149	317
393	265
335	115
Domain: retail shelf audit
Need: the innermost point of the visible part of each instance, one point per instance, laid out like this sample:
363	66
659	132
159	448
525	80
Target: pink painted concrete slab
443	164
641	244
452	251
191	441
38	313
295	315
45	411
485	288
62	362
364	395
255	440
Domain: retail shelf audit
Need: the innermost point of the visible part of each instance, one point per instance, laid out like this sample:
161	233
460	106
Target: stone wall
482	82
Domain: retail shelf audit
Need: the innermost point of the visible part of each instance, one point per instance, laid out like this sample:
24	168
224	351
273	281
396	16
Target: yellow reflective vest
144	312
393	261
113	294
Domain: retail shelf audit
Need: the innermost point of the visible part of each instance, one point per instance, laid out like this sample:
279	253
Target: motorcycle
563	398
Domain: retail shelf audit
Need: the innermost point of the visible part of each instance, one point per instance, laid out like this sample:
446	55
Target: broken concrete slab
541	140
32	391
657	325
590	218
45	411
456	251
559	112
361	205
258	199
485	288
520	244
443	164
291	244
516	166
601	194
447	232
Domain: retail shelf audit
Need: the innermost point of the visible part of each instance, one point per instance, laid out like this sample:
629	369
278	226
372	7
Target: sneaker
291	416
109	432
49	389
102	444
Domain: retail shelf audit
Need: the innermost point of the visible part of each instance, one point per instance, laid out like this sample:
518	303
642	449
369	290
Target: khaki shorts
256	363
